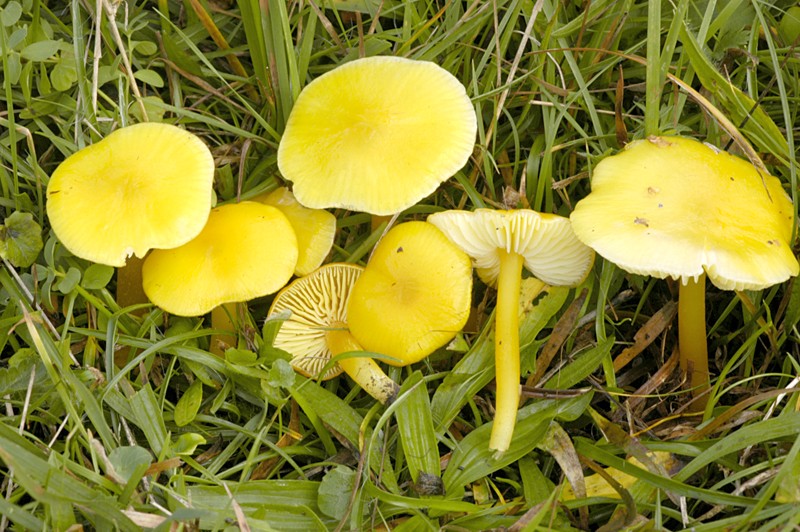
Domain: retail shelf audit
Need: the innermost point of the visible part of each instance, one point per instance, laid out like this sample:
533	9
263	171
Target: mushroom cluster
412	297
675	207
109	204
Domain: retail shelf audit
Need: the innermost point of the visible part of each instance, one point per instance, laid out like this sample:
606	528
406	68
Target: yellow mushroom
412	298
500	243
145	186
246	250
675	207
376	135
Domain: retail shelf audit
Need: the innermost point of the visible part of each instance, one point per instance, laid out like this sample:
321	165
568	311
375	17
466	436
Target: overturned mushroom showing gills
675	207
246	250
316	330
145	186
412	298
377	135
500	244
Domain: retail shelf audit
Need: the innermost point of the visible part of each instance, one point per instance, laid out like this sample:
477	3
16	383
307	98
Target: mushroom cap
145	186
377	135
314	228
246	250
675	207
414	295
318	303
550	249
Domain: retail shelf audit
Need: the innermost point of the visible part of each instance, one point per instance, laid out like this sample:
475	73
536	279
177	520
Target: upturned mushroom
145	186
376	135
412	298
500	244
675	207
246	250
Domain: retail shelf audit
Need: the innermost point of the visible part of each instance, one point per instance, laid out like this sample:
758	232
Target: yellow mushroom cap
675	207
550	249
146	186
318	303
377	135
246	250
314	228
414	295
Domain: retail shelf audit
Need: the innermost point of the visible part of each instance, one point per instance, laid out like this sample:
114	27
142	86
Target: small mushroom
674	207
376	135
246	250
317	329
500	244
412	298
314	228
145	186
414	295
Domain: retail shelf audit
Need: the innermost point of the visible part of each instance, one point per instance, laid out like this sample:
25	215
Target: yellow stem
506	351
129	284
224	318
692	334
364	371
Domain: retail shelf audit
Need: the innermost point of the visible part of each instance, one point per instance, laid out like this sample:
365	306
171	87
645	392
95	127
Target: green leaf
151	77
63	75
10	13
70	280
335	491
40	50
20	239
127	460
187	443
281	374
415	424
584	365
472	459
97	276
241	357
189	404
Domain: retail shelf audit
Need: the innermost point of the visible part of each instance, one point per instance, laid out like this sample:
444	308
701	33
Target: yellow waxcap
550	249
414	295
377	135
246	250
146	186
314	228
675	207
318	303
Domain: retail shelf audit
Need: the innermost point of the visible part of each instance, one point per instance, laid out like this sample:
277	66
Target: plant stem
506	351
364	371
223	318
692	334
129	284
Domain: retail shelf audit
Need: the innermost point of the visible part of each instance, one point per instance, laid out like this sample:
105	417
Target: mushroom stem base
506	351
129	285
224	318
692	334
363	370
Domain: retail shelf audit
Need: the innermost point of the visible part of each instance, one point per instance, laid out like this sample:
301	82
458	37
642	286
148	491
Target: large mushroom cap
318	303
146	186
674	207
550	249
414	295
377	135
246	250
314	228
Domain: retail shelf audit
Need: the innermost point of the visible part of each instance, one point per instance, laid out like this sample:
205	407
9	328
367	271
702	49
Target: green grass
179	437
